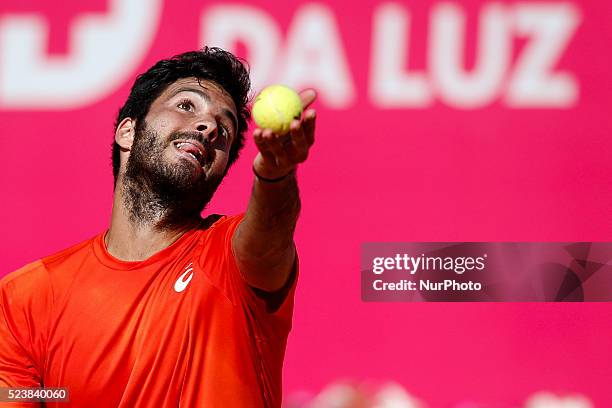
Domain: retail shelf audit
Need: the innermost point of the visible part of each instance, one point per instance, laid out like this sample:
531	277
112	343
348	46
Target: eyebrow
228	113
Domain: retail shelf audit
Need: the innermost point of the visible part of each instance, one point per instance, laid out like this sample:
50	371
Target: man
166	308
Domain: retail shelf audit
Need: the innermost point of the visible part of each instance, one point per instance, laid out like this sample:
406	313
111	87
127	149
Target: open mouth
191	149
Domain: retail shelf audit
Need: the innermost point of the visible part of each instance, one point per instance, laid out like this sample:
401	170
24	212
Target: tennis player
166	308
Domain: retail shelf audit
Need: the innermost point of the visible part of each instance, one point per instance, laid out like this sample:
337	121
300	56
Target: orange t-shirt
180	328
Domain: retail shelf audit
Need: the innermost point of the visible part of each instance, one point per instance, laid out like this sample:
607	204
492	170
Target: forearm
263	242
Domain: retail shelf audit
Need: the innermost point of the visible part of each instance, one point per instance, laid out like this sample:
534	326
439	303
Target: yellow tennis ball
275	107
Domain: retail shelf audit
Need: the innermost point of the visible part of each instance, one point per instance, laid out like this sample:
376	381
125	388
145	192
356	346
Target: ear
124	134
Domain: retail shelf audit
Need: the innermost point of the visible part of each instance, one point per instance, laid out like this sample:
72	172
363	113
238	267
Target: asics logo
181	283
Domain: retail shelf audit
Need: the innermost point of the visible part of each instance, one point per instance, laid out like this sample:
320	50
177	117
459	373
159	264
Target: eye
186	105
225	131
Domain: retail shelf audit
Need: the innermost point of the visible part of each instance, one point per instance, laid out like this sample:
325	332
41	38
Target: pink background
493	173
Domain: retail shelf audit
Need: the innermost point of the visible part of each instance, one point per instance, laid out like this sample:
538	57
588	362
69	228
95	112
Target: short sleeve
23	299
273	311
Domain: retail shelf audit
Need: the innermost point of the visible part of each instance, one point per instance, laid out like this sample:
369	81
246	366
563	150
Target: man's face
182	148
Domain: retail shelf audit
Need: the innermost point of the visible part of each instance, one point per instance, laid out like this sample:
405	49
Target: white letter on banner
390	85
550	26
224	26
446	50
315	57
105	49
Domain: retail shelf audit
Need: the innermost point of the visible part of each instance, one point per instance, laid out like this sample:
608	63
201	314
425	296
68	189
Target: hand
279	155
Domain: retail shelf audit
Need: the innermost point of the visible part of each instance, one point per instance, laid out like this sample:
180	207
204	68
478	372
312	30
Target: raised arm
263	243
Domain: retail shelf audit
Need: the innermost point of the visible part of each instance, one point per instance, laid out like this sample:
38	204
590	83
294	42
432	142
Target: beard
157	191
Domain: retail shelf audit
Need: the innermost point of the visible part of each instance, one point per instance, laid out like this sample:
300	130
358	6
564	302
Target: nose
207	128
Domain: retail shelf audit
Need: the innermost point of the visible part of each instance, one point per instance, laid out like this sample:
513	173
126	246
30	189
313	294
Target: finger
298	146
310	118
308	96
275	143
263	146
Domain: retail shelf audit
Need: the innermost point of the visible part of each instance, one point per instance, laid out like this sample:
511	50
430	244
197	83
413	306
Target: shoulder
219	263
26	292
34	279
220	228
225	222
24	279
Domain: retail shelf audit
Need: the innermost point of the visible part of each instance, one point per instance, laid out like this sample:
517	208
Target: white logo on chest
181	283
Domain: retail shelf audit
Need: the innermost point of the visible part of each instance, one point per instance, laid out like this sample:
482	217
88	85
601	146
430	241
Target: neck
141	225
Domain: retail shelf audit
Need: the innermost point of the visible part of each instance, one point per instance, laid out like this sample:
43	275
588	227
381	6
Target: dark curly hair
209	63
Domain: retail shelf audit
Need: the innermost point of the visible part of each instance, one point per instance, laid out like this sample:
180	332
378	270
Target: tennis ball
275	107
